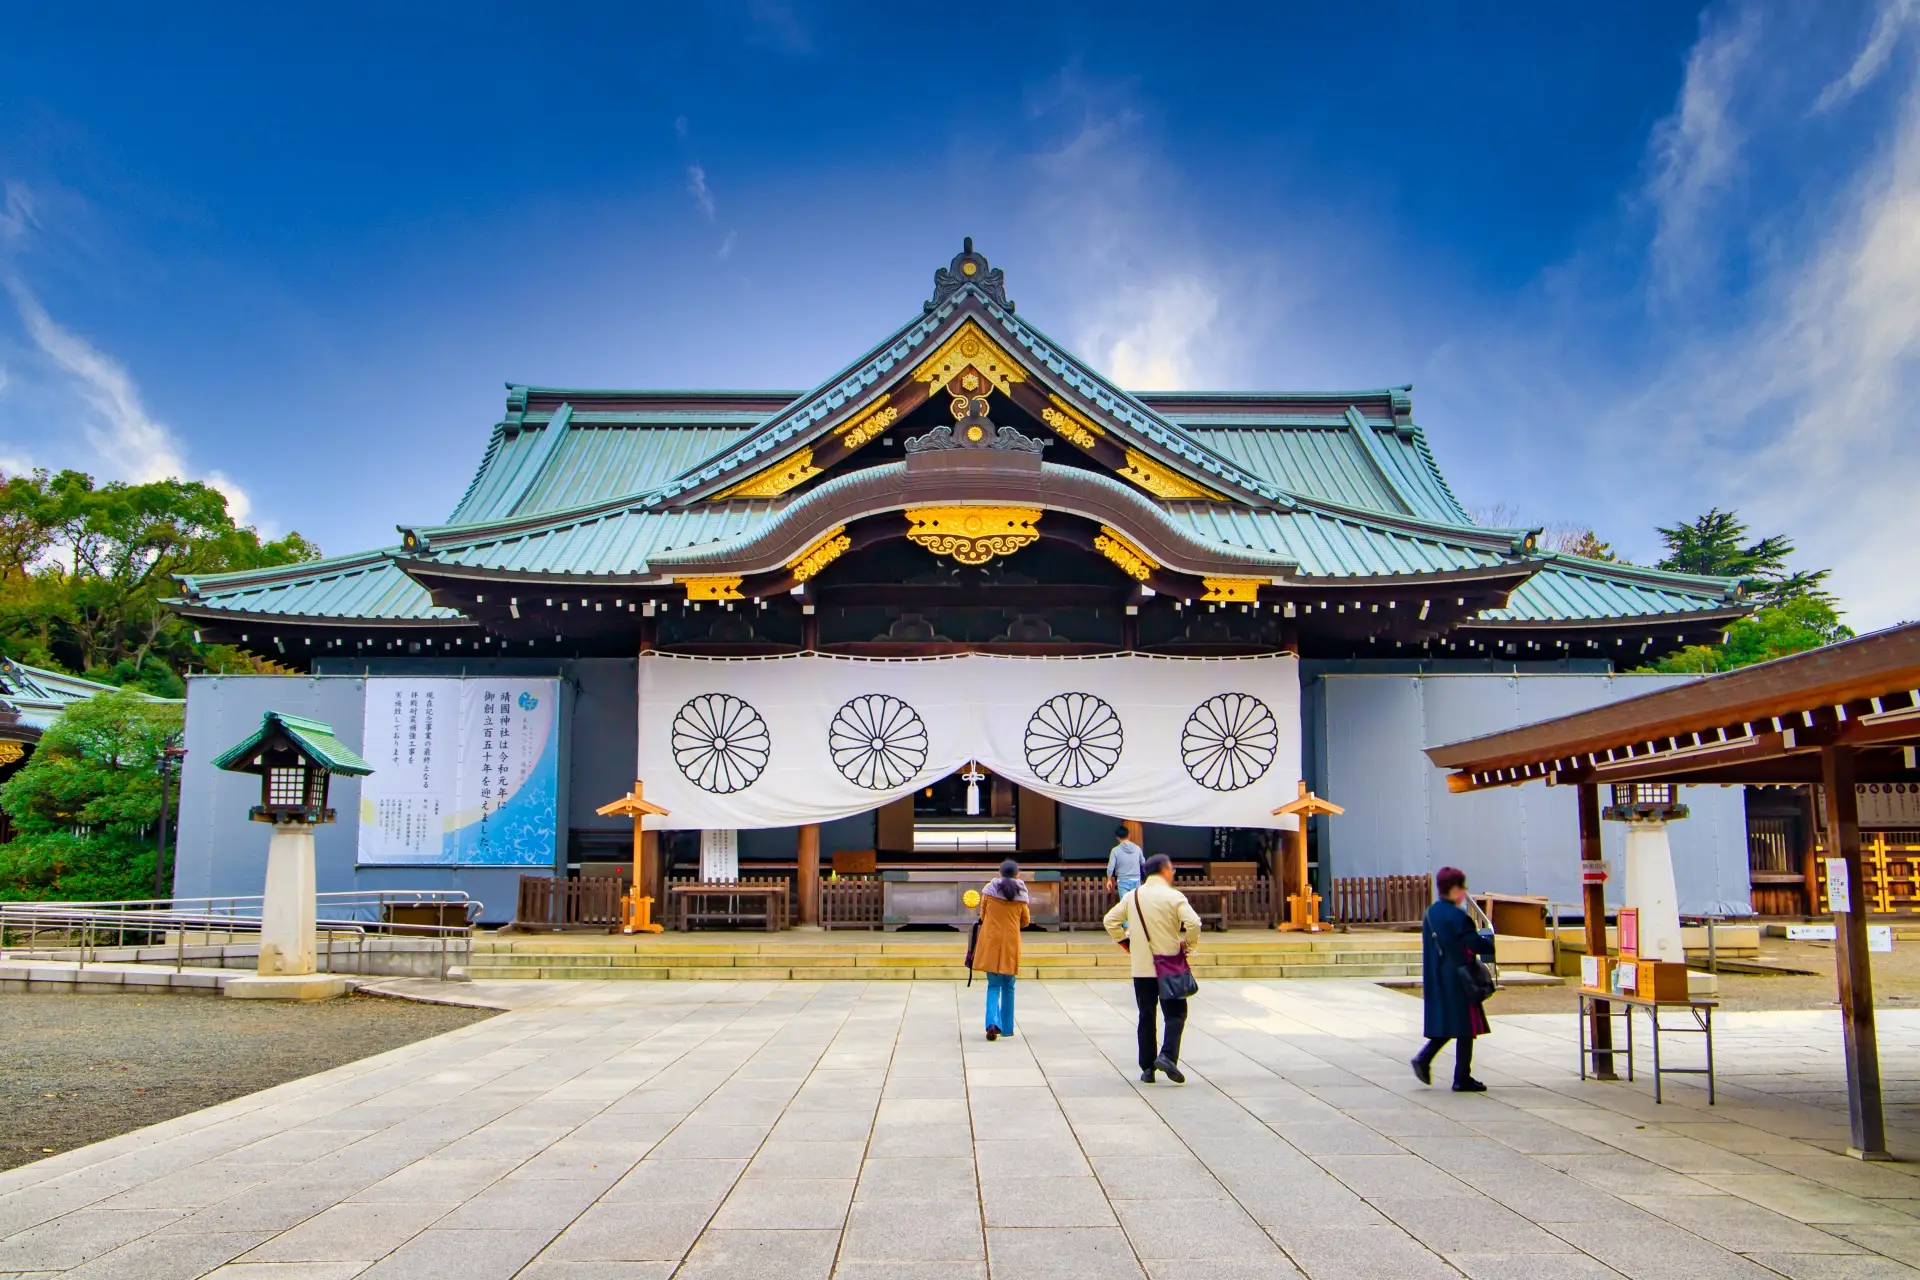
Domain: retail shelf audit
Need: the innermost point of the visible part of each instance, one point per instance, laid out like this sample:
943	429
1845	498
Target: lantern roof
314	738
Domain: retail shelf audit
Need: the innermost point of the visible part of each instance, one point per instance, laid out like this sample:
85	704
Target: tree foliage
1716	544
84	568
85	803
1794	627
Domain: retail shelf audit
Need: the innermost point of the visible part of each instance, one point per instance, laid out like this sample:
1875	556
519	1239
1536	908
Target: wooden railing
850	902
589	903
1084	900
756	882
1379	899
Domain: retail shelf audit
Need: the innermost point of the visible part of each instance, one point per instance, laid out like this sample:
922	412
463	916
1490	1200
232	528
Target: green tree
1802	623
1716	544
84	569
85	804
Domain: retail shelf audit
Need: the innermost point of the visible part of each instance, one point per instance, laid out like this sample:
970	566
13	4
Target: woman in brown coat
996	953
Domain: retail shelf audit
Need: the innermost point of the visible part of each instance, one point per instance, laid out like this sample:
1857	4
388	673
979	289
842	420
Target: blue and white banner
466	772
775	742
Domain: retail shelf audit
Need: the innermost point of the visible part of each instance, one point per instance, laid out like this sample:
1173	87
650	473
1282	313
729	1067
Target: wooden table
772	909
1700	1010
1210	902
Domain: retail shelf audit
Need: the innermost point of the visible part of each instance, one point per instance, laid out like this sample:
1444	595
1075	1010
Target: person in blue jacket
1453	1005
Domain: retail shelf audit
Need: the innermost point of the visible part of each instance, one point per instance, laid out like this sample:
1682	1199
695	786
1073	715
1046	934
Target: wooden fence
1084	900
590	903
757	882
850	902
1380	899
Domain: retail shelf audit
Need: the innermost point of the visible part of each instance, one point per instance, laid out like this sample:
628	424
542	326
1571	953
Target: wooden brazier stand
1303	904
637	905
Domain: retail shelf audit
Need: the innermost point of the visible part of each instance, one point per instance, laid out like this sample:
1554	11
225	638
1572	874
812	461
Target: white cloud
728	245
697	188
1896	18
1147	336
132	443
17	214
1696	150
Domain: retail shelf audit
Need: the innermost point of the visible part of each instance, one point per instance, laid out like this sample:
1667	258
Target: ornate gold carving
824	551
973	535
776	479
970	348
1161	482
1112	544
11	751
1240	590
1078	429
720	588
880	416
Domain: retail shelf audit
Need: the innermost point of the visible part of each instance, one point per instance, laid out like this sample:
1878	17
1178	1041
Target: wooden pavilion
1838	718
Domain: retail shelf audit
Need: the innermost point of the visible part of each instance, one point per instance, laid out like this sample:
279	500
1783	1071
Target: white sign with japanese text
466	772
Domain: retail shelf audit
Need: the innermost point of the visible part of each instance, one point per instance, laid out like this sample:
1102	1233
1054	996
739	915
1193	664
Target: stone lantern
294	757
1647	808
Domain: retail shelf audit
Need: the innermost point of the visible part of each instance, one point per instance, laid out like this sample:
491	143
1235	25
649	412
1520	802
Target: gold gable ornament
1161	481
973	535
1232	590
1136	563
783	475
879	416
716	588
1074	427
970	348
824	551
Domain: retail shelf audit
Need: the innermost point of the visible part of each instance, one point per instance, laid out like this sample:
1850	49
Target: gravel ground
1896	982
76	1069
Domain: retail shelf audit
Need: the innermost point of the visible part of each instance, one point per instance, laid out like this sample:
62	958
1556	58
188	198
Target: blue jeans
1000	1002
1126	884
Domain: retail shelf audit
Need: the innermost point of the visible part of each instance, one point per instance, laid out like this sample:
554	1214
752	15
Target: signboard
1595	870
466	772
1593	970
1839	886
1879	937
719	856
1812	933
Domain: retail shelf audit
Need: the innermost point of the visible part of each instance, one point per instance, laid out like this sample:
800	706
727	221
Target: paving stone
1739	1225
624	1233
1045	1202
1192	1229
1531	1266
73	1239
1077	1253
785	1204
658	1181
525	1204
540	1269
1653	1250
459	1255
914	1179
883	1231
166	1257
1364	1253
347	1232
754	1255
791	1159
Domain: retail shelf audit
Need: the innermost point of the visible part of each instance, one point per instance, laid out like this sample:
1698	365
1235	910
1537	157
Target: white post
1651	890
287	945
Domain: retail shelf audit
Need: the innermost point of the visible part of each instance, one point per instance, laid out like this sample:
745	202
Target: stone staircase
813	957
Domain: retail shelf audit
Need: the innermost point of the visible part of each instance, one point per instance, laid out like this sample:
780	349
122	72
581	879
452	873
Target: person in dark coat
1450	942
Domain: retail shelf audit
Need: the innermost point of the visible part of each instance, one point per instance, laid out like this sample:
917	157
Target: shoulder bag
1175	975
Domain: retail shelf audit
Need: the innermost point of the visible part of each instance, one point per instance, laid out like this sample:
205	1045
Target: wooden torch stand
638	904
1303	904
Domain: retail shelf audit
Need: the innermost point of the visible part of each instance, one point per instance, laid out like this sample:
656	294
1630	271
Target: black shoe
1167	1067
993	1033
1146	1077
1423	1071
1468	1085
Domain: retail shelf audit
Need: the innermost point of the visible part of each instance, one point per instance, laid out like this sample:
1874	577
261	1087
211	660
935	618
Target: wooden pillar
810	874
1595	904
646	866
1851	960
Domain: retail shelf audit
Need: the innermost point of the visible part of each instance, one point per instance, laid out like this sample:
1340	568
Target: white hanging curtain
777	742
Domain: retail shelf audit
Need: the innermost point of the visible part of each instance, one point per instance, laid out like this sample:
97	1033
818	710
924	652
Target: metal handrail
355	914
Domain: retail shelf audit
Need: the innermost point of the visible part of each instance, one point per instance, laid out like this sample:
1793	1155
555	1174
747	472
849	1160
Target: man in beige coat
1164	923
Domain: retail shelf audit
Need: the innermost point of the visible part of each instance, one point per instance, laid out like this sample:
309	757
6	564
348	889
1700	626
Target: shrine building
964	599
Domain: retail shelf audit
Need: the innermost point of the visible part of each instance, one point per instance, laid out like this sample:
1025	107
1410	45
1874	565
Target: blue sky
1637	259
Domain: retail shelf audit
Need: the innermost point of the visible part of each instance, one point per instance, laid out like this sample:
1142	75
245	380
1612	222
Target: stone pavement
801	1130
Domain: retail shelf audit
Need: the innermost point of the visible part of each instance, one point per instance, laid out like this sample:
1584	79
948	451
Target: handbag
973	940
1174	974
1478	979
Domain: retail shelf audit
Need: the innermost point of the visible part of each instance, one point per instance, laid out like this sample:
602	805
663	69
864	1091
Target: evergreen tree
1716	544
85	804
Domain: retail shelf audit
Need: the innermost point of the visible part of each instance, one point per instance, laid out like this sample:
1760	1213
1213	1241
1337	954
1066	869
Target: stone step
569	967
1117	960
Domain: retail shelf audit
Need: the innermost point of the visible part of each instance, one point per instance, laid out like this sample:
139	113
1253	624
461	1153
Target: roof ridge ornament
971	268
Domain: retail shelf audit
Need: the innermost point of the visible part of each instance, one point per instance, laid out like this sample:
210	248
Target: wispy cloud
697	188
727	246
1696	151
1896	19
17	214
133	444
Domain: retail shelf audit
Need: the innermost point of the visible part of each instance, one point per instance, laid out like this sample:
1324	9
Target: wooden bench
733	909
1210	902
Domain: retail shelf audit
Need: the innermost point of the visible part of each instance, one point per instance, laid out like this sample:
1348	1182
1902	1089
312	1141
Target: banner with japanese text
466	772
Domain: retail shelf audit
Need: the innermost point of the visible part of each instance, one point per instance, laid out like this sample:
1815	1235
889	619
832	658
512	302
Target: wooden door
1037	826
893	827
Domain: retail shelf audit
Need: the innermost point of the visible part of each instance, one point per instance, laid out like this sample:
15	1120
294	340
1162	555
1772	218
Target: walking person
1159	918
1452	982
1123	864
1004	912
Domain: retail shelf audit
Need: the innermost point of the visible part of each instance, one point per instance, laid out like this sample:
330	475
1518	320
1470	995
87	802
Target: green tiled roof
1332	543
1570	587
315	737
368	586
